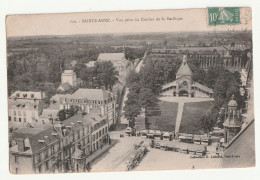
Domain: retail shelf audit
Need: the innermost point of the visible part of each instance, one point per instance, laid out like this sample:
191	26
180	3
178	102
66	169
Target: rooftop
28	95
91	94
66	86
184	70
111	56
242	148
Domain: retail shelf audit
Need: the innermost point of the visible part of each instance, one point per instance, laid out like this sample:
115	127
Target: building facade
25	107
69	76
51	150
89	100
184	85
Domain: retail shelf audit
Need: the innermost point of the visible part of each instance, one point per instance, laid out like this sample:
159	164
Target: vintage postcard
130	91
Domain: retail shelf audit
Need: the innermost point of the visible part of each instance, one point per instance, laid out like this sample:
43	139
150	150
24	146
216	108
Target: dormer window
24	95
32	95
17	95
35	106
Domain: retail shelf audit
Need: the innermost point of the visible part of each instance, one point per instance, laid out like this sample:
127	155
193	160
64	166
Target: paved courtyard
155	159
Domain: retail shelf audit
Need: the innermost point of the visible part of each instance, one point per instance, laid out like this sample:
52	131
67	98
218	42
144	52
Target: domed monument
79	159
232	122
184	86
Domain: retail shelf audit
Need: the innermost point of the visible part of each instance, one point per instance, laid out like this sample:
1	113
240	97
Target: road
123	120
115	159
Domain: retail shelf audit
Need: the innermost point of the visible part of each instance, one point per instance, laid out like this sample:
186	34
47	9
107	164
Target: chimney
80	122
41	141
20	144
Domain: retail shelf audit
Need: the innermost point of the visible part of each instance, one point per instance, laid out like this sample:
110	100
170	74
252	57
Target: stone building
25	107
184	85
69	80
51	148
89	100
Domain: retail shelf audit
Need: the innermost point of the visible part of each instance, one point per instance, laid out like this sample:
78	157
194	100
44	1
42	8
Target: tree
62	115
207	123
132	108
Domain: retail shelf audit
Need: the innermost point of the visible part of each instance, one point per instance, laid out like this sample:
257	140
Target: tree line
144	87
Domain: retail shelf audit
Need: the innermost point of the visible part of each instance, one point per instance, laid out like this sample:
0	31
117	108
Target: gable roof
184	70
111	56
65	86
92	94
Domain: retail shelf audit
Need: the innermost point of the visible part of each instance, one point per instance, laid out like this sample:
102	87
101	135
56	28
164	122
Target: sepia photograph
126	91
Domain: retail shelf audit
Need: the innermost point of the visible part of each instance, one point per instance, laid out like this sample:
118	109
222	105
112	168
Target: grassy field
191	116
162	116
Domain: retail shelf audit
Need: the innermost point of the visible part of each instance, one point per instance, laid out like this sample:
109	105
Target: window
93	137
38	158
16	170
20	119
32	95
78	134
14	113
52	150
19	113
24	119
16	159
24	113
14	119
40	169
10	118
99	133
47	165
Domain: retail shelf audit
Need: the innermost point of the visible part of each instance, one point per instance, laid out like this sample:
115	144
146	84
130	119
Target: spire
184	70
184	60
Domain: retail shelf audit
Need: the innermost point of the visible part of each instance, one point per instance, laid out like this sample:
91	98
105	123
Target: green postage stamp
223	16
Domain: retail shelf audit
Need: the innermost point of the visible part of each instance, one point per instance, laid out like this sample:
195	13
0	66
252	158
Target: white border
61	6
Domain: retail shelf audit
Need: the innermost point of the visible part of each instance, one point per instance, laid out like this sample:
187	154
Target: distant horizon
126	33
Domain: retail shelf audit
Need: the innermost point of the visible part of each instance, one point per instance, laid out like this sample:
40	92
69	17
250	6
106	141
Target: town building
24	108
121	64
89	100
51	148
184	85
69	80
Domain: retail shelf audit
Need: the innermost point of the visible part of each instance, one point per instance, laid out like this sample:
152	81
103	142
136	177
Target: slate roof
47	112
28	94
91	94
36	146
184	70
243	146
203	87
111	56
65	86
25	104
25	132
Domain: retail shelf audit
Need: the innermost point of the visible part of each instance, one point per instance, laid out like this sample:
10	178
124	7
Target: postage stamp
223	16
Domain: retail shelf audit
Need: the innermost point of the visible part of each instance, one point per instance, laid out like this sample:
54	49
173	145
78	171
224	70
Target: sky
119	22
